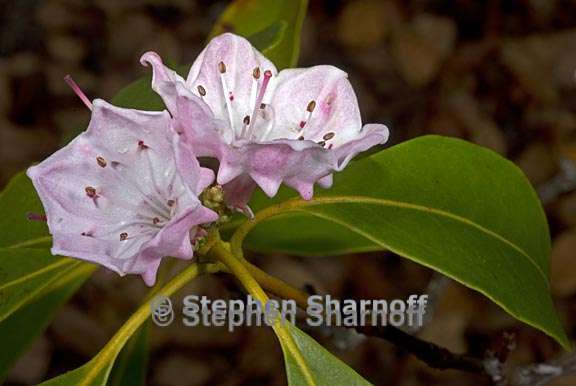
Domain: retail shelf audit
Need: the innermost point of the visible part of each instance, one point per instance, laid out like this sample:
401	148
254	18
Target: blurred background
498	73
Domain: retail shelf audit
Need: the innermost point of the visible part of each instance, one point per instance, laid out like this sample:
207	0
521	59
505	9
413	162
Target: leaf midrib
298	205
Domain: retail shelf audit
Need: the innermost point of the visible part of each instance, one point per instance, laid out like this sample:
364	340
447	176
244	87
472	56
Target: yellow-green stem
113	347
221	251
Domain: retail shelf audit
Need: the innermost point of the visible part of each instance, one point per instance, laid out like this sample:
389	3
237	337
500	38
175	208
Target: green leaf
22	327
25	273
97	371
269	37
307	236
18	200
325	368
139	95
273	26
130	367
452	206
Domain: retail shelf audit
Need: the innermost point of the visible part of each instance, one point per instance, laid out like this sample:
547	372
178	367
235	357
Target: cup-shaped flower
116	195
296	126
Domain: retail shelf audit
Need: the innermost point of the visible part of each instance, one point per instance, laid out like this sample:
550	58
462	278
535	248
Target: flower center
253	121
154	207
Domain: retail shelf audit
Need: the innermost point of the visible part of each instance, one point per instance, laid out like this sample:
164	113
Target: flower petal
327	92
236	86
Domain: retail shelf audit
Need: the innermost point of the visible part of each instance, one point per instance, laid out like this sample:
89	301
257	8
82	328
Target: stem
221	252
433	355
277	286
113	347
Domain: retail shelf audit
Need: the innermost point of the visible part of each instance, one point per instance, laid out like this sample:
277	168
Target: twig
433	355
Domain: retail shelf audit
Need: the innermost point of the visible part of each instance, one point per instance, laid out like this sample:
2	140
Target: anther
36	217
322	143
256	72
221	67
90	191
301	138
155	220
170	203
86	234
142	145
201	90
101	161
328	136
123	236
311	106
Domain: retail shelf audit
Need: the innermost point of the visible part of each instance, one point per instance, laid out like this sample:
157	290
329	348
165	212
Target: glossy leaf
455	207
97	371
21	328
131	365
139	95
256	18
25	273
307	236
326	369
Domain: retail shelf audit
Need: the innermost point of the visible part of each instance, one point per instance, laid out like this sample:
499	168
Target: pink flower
116	196
296	127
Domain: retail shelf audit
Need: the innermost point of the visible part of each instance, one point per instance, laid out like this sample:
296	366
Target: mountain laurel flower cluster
124	194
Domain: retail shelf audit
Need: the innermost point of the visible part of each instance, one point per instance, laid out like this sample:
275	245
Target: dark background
498	73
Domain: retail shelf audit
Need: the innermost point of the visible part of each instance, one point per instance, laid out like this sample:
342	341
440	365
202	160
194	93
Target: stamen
201	90
36	217
142	145
330	146
322	143
246	122
301	138
170	203
90	192
328	136
267	76
86	234
309	109
258	102
155	220
101	161
254	88
123	236
227	94
74	86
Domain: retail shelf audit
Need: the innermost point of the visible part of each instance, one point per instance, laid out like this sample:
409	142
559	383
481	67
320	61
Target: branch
433	355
